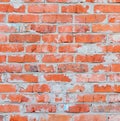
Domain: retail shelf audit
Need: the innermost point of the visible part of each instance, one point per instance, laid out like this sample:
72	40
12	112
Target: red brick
36	88
31	68
9	108
81	28
11	68
65	28
69	48
114	38
114	18
97	58
89	38
7	88
57	77
78	108
1	118
46	68
31	1
75	8
117	88
4	0
7	28
59	117
10	8
39	68
2	58
101	68
104	88
23	77
114	98
43	48
115	67
50	38
2	17
40	108
42	98
3	38
61	18
11	47
43	28
76	88
43	8
106	28
107	108
92	18
15	18
107	8
90	117
114	117
24	38
22	58
80	68
55	38
114	1
61	1
113	48
114	77
90	77
65	38
18	98
18	118
57	58
91	98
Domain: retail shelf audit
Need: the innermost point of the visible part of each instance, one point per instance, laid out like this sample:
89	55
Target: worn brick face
59	60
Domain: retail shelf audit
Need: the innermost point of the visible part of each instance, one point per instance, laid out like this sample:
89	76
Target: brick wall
59	60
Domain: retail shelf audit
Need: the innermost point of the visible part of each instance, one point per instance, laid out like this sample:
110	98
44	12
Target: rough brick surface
59	60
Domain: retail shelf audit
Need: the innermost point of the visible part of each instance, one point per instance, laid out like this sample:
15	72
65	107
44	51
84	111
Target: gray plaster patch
116	38
89	49
16	3
111	58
